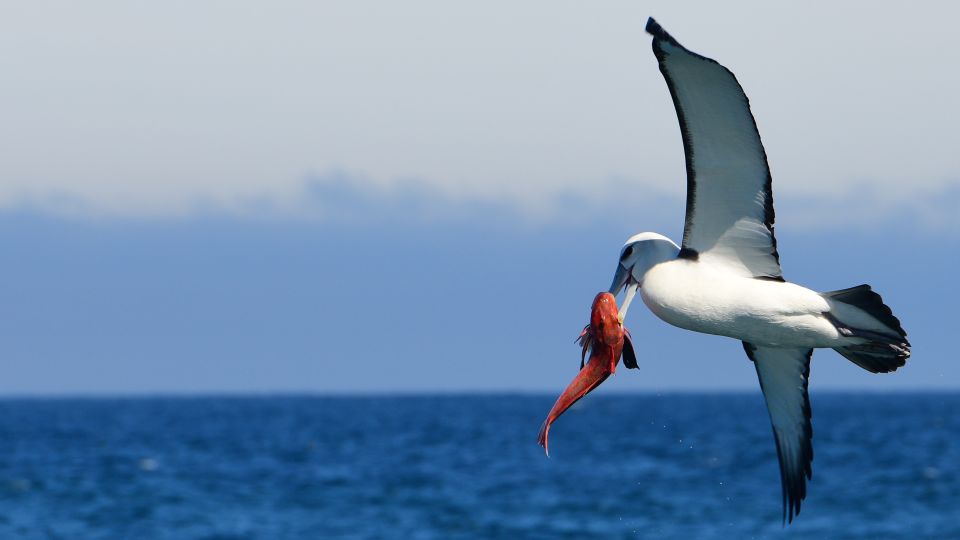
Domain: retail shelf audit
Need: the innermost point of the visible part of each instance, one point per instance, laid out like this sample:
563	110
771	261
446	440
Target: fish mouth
591	376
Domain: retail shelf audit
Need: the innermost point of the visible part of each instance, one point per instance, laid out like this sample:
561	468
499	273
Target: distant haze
176	108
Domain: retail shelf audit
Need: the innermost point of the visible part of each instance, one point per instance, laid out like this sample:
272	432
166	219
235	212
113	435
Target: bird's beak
620	279
624	278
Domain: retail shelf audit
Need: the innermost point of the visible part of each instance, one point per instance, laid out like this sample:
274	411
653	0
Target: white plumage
696	296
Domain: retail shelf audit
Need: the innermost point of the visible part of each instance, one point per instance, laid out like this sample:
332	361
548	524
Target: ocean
468	466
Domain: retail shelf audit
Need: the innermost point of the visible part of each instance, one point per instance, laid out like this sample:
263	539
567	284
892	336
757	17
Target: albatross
725	277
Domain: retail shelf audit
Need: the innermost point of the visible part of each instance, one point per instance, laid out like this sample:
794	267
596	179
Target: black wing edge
769	215
793	485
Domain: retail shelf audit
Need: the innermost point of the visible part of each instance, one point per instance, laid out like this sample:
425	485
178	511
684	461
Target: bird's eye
626	253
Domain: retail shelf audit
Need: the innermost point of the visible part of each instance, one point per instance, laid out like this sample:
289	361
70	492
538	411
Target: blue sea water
424	467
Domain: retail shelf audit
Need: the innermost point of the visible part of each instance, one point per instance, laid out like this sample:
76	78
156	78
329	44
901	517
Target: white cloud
157	109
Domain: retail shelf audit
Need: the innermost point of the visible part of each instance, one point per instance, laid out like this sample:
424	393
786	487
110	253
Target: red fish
606	339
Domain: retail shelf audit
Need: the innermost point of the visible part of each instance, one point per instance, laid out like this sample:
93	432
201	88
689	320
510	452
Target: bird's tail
878	343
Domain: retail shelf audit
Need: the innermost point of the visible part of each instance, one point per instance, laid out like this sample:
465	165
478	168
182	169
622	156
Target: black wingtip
654	29
659	34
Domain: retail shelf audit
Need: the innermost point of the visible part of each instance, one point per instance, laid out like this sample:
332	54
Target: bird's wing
783	377
729	194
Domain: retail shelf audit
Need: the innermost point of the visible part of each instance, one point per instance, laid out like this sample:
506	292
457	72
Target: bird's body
725	276
701	298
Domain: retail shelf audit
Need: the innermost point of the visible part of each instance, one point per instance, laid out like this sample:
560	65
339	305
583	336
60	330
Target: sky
367	197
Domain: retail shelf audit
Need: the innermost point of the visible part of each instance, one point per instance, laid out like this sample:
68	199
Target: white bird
725	277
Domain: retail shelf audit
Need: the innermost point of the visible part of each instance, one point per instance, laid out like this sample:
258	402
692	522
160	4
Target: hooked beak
595	372
620	279
624	278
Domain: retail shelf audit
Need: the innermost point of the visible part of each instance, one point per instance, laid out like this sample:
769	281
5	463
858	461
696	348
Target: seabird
725	277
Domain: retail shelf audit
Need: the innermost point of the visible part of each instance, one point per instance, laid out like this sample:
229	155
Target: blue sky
347	196
487	301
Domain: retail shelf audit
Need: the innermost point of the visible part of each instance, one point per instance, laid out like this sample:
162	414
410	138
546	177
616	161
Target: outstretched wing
783	377
729	193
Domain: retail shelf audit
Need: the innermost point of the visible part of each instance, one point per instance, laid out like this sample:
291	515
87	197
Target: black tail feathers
882	348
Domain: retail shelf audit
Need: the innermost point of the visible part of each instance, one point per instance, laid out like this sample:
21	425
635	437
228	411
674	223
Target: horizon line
351	394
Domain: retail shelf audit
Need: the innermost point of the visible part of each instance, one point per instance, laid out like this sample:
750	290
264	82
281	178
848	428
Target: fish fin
629	356
585	339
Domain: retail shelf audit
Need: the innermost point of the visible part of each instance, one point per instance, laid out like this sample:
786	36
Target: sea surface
447	467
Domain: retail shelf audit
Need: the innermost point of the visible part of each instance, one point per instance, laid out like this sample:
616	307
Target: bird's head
639	254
